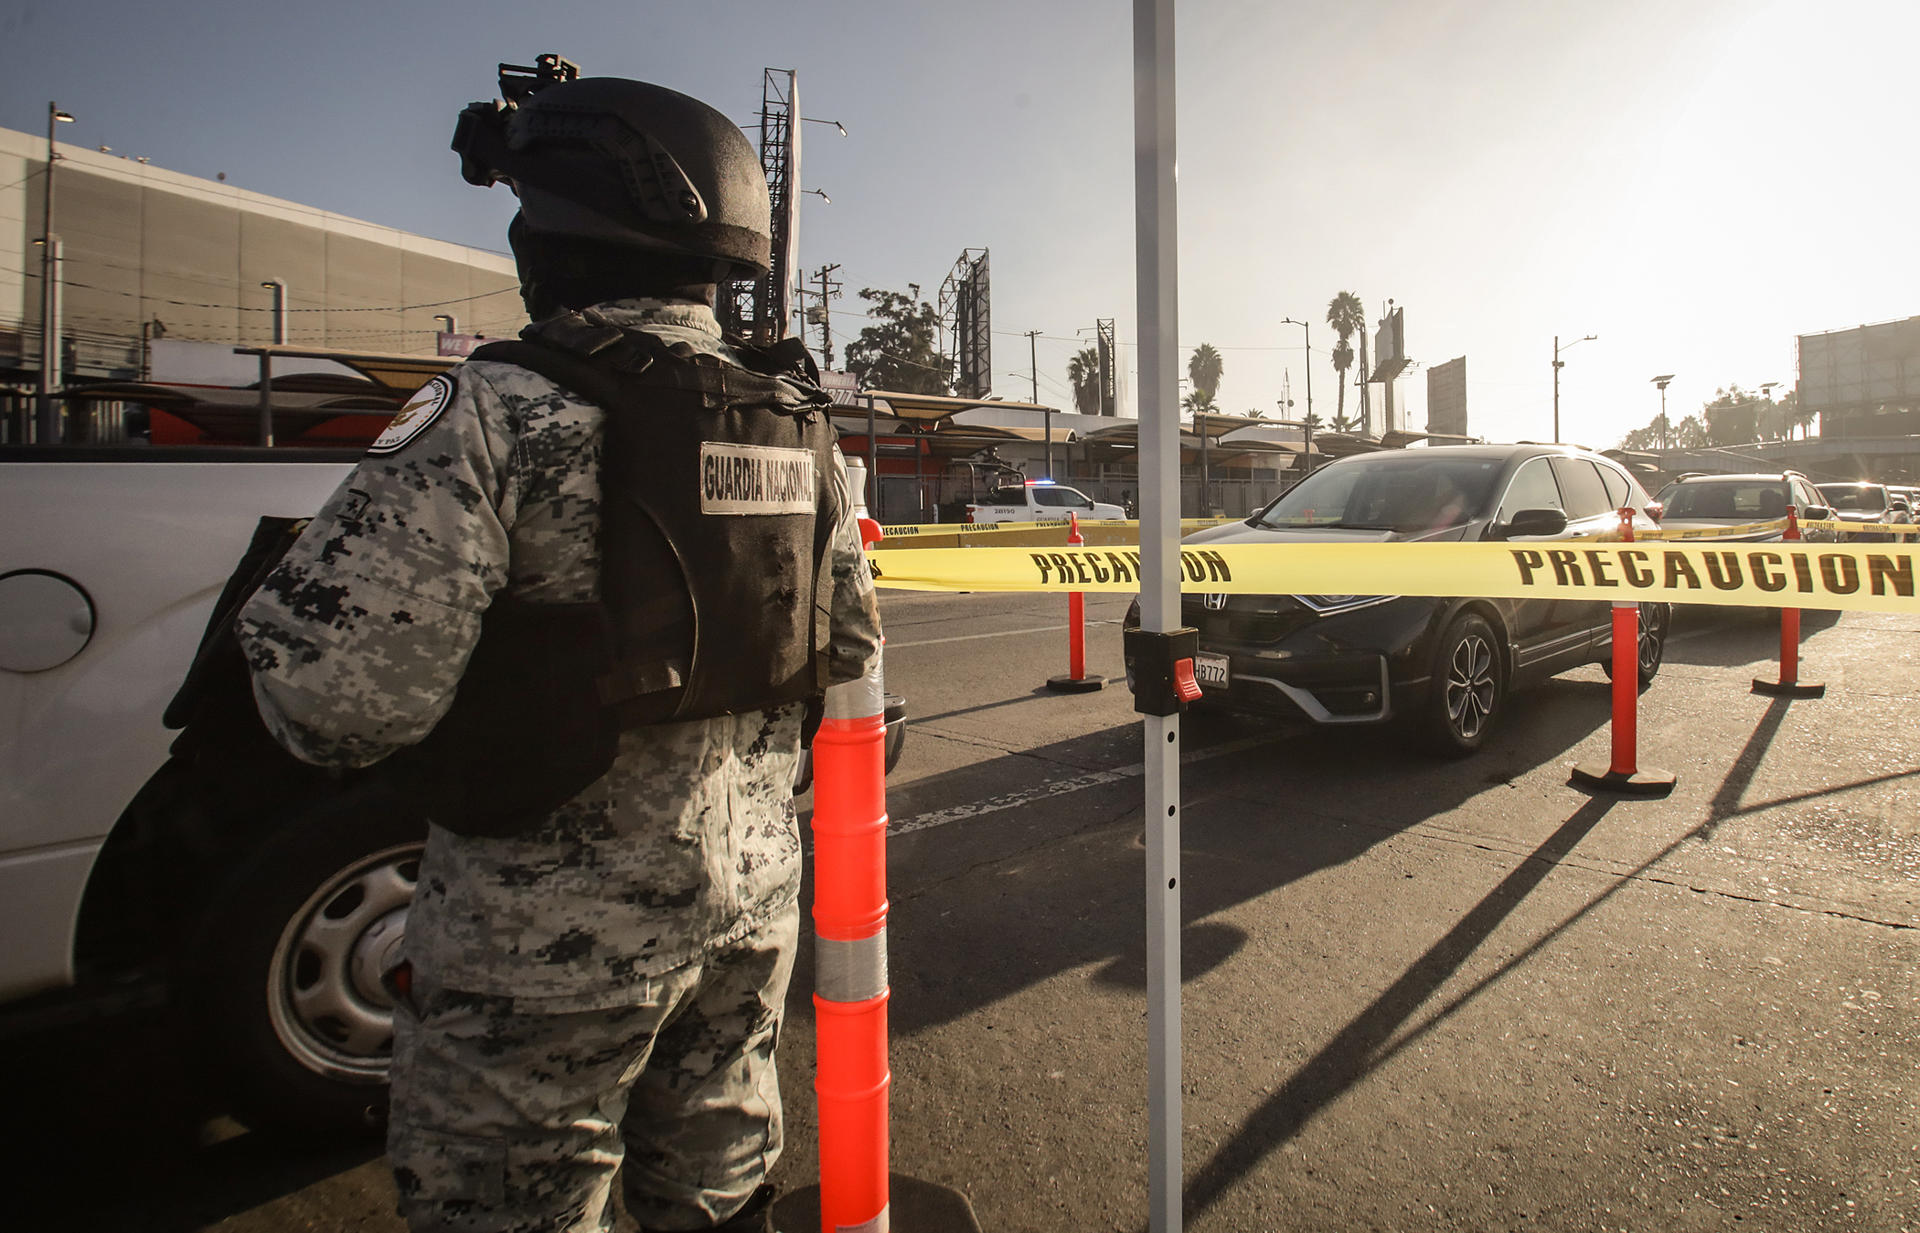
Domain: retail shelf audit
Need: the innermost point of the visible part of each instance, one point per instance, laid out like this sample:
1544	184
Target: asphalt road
1418	994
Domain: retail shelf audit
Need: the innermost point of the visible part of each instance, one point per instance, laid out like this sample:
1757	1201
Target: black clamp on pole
1163	681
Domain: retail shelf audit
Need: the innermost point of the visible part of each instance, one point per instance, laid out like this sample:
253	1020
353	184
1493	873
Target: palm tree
1204	369
1346	314
1083	373
1344	423
1199	402
1309	422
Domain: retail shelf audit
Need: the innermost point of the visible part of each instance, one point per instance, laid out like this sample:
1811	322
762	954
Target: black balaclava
563	272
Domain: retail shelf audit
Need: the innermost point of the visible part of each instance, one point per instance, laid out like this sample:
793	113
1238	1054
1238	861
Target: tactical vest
718	504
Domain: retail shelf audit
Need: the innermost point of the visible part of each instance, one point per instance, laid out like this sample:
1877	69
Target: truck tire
278	984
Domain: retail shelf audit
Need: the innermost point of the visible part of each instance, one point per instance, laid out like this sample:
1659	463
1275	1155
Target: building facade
146	253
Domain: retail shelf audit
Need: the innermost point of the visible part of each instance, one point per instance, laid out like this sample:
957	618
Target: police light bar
1039	483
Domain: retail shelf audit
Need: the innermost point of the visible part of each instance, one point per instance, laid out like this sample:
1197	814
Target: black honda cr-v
1443	665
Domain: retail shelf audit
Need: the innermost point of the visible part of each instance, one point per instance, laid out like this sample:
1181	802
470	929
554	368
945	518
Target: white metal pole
1157	280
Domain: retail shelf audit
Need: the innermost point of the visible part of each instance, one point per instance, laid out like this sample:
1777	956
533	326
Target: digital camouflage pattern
531	1115
688	845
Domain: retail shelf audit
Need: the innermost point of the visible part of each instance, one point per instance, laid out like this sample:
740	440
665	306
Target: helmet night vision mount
619	162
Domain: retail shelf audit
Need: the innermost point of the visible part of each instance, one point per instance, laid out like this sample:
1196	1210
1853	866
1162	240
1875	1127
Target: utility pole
828	292
50	379
1033	375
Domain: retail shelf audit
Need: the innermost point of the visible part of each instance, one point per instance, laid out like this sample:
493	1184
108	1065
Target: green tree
1083	373
901	349
1342	422
1346	314
1690	434
1798	416
1204	369
1735	416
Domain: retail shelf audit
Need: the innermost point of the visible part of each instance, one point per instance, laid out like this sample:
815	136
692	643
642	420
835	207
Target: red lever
1183	682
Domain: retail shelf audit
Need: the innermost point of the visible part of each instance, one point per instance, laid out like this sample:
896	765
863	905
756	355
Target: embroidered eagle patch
416	417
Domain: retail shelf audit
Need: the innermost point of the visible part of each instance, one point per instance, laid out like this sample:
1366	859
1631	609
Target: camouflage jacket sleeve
856	611
358	639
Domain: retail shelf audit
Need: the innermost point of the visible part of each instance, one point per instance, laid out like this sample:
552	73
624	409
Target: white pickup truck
254	894
1040	501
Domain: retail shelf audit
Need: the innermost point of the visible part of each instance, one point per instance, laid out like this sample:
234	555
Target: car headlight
1324	604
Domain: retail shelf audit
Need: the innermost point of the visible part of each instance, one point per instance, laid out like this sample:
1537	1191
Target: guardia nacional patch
416	417
755	479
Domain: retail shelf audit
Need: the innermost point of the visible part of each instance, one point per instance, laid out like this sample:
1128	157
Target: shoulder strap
594	359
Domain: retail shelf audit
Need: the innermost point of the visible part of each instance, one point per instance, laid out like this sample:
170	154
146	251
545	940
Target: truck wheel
279	982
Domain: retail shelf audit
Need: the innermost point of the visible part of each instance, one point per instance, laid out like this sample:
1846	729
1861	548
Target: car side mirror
1816	513
1532	522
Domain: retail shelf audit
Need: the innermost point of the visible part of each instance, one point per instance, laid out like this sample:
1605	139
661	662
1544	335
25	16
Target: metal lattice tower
757	307
1104	341
966	324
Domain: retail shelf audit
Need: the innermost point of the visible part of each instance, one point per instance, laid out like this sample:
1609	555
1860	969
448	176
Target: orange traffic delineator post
1076	681
857	1191
1790	685
1622	774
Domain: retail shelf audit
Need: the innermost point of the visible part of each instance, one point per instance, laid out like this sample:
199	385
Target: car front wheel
1469	687
280	983
1656	621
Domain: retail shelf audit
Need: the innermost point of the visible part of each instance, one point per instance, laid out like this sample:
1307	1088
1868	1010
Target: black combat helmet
615	162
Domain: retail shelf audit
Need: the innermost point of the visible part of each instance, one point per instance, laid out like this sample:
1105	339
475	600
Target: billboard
1862	369
1389	346
1447	397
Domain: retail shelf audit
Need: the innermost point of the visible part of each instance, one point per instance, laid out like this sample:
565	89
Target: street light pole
279	288
1661	381
50	379
1308	331
1557	366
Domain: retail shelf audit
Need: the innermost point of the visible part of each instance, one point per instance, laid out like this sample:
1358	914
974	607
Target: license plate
1210	670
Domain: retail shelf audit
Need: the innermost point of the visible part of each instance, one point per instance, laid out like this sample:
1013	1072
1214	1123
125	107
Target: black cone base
1075	684
1601	777
1781	689
913	1206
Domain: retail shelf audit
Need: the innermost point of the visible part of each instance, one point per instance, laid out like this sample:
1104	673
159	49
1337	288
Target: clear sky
1694	181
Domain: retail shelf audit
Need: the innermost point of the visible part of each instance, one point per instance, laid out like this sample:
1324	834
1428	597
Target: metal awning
929	408
398	374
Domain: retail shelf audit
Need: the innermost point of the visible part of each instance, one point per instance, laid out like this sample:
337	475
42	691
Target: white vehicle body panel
1032	511
150	543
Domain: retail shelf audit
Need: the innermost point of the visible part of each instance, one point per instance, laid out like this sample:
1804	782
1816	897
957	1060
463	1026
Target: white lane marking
1005	633
1059	787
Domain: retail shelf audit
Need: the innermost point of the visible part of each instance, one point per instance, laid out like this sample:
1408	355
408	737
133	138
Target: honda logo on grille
1214	602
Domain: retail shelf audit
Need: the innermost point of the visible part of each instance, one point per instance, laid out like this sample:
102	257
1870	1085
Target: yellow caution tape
1845	577
1863	528
1741	531
1043	531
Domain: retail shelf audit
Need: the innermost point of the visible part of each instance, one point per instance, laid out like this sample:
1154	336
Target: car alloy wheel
1469	683
1470	686
1653	640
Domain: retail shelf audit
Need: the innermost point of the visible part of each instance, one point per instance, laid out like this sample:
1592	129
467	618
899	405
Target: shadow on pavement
108	1129
1355	1051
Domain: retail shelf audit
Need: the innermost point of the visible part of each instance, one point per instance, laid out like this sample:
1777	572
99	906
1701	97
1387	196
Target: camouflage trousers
508	1120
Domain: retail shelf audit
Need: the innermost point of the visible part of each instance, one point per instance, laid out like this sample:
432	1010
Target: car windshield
1379	493
1867	497
1728	499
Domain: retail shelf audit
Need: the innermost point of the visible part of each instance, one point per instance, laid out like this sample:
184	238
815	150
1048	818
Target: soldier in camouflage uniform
596	991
